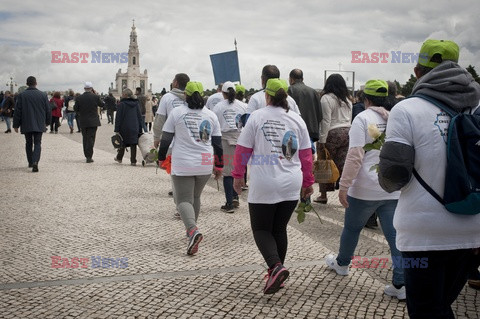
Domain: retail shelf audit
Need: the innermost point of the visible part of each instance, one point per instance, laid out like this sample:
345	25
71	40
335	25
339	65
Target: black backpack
462	177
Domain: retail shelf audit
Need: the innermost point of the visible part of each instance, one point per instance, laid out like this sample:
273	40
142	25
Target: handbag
117	141
324	170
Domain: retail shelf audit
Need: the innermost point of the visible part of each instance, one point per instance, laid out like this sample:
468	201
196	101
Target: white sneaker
400	294
331	261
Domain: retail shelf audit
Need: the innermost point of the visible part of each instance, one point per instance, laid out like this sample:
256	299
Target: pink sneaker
276	277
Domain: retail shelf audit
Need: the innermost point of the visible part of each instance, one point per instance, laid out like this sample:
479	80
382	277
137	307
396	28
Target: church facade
133	78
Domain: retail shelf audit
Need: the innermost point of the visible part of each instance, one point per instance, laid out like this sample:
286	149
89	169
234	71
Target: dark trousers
110	116
88	134
230	193
269	226
33	146
133	153
54	124
432	290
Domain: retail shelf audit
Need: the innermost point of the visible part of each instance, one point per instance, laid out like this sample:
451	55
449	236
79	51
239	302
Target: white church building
133	78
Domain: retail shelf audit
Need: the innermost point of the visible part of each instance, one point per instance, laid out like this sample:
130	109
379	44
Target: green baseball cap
448	51
273	85
192	87
240	88
376	88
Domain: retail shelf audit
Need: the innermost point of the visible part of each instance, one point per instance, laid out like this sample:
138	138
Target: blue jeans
33	146
70	118
356	216
144	125
7	120
230	193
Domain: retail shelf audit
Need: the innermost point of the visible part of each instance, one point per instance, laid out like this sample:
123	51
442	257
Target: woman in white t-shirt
229	113
197	135
277	144
361	194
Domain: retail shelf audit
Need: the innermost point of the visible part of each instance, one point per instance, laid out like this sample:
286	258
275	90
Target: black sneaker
34	168
89	160
228	208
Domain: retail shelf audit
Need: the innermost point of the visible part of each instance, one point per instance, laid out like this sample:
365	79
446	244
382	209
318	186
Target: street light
11	84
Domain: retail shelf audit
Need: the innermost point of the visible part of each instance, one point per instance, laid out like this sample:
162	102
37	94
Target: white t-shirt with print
213	100
193	131
275	169
422	223
365	186
168	102
258	101
229	115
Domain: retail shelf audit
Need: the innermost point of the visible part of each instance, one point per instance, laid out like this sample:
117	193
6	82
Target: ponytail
195	101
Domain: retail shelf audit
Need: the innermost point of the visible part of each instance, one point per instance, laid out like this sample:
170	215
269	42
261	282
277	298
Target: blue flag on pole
225	67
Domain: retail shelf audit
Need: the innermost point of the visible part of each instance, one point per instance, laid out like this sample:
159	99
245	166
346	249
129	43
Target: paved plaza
120	217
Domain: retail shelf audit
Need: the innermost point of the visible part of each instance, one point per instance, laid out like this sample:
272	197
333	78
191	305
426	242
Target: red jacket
58	111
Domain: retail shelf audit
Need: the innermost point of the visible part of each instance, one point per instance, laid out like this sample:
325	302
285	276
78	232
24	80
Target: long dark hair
230	95
195	101
280	99
336	85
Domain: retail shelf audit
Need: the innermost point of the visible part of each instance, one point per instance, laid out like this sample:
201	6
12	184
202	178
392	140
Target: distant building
132	78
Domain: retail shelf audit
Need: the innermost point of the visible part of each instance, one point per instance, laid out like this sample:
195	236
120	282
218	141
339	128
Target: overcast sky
179	36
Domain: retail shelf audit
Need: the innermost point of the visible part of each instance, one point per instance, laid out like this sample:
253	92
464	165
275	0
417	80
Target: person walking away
56	112
278	143
142	99
128	124
360	194
32	115
111	104
86	109
416	140
8	105
229	113
197	134
148	114
70	109
336	122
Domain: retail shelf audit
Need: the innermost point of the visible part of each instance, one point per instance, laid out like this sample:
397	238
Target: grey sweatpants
186	192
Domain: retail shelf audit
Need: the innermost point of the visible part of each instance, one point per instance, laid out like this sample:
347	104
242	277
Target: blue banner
225	67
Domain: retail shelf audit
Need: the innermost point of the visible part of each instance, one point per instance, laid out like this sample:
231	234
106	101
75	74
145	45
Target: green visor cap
239	88
273	85
192	87
448	51
376	88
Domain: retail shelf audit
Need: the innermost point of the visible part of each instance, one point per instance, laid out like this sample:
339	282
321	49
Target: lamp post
11	84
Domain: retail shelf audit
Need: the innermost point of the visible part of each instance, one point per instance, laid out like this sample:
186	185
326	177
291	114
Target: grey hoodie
160	118
450	84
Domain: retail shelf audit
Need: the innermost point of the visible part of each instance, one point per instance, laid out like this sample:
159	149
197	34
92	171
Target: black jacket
111	103
32	111
86	109
128	121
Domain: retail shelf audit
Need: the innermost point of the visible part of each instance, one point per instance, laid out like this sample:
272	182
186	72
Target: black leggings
269	226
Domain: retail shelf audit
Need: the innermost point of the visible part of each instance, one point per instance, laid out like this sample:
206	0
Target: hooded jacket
448	83
128	121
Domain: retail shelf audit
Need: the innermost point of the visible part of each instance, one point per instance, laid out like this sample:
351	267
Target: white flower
373	131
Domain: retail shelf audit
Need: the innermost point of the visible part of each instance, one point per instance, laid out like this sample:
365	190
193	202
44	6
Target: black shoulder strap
427	187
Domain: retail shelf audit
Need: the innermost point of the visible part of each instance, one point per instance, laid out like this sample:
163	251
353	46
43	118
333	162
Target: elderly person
128	123
197	136
277	141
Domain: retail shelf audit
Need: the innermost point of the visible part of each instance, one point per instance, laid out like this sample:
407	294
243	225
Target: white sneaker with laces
331	261
400	294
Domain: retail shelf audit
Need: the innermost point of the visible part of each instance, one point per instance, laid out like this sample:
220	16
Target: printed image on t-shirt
289	145
205	131
238	121
441	123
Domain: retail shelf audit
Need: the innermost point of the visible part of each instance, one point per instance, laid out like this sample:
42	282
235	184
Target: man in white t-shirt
416	138
213	99
258	100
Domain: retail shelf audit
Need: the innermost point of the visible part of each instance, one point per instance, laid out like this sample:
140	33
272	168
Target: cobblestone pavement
108	210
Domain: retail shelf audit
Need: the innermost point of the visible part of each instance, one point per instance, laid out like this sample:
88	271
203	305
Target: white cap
228	85
88	85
